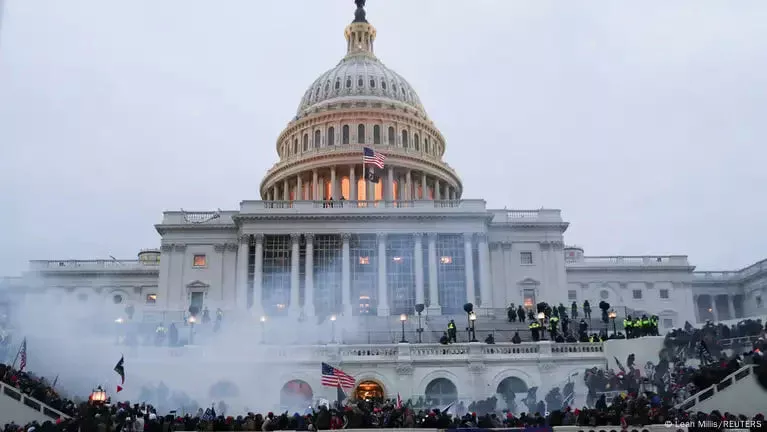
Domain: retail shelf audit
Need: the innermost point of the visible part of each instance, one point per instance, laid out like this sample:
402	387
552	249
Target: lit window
528	302
397	259
637	294
526	258
151	298
446	260
117	299
663	293
572	295
364	261
199	261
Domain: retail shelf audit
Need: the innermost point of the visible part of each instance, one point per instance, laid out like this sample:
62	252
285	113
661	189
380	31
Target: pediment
198	284
529	282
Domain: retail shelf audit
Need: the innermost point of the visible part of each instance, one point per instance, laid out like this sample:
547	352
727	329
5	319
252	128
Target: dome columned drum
360	103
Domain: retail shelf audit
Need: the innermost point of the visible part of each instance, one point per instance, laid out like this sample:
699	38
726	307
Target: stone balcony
100	266
629	262
735	276
530	352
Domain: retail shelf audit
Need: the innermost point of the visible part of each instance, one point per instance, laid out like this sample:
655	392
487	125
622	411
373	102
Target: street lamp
612	316
333	319
192	321
419	330
263	328
99	396
472	320
541	319
402	319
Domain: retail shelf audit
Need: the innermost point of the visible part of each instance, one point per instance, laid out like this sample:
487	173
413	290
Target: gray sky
642	121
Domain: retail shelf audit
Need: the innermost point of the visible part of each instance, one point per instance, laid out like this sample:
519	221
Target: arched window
317	139
361	134
416	142
509	388
338	83
404	139
348	83
331	136
391	135
327	87
360	82
345	135
306	142
376	134
295	146
383	85
441	392
426	145
394	87
372	83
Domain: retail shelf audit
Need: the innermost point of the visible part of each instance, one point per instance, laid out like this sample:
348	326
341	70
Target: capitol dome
360	104
359	76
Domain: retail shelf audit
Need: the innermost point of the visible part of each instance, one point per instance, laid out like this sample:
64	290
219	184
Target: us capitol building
323	242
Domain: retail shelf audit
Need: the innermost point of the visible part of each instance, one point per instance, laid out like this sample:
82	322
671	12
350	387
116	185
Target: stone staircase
19	408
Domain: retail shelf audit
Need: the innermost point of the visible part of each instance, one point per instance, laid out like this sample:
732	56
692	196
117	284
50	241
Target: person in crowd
205	315
511	312
521	314
452	331
516	339
628	327
160	332
535	329
562	311
490	339
173	335
445	339
574	310
553	326
530	314
587	310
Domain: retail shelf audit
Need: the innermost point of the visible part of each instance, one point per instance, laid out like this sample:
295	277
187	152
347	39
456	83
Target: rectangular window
668	323
572	295
637	294
151	298
199	261
663	293
526	258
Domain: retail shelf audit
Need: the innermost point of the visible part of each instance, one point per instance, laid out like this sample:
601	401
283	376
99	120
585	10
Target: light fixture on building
446	260
99	396
402	319
119	320
263	319
333	317
397	259
364	260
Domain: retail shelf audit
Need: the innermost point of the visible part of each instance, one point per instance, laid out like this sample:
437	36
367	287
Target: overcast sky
643	121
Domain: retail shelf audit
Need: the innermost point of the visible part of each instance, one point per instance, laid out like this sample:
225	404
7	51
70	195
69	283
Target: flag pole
13	366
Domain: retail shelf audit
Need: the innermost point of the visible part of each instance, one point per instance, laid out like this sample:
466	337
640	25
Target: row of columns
383	292
714	308
282	190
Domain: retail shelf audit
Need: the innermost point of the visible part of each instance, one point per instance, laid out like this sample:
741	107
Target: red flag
119	389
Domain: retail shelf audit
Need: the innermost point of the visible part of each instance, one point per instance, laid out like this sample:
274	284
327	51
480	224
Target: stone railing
65	265
618	261
202	218
740	374
30	402
522	216
734	276
399	353
336	206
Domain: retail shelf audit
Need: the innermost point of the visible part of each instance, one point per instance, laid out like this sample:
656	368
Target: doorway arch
509	389
296	394
369	390
440	392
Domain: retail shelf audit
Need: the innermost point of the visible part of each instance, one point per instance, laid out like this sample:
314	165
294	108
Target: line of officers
639	327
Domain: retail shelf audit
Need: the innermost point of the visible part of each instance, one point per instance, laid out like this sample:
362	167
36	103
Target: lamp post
541	320
263	329
402	319
192	321
418	309
472	320
333	319
612	316
99	396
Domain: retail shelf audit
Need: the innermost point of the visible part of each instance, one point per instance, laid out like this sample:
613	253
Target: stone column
285	190
333	187
696	309
353	194
315	187
258	276
434	307
309	276
437	192
714	308
409	181
294	307
299	188
275	193
269	196
383	292
370	190
424	187
390	185
418	254
731	306
469	259
485	290
451	193
346	291
242	272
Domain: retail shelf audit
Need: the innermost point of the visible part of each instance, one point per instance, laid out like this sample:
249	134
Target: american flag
332	377
399	401
23	355
370	156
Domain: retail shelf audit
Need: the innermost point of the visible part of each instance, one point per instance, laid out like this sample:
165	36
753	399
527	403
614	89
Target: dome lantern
359	34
